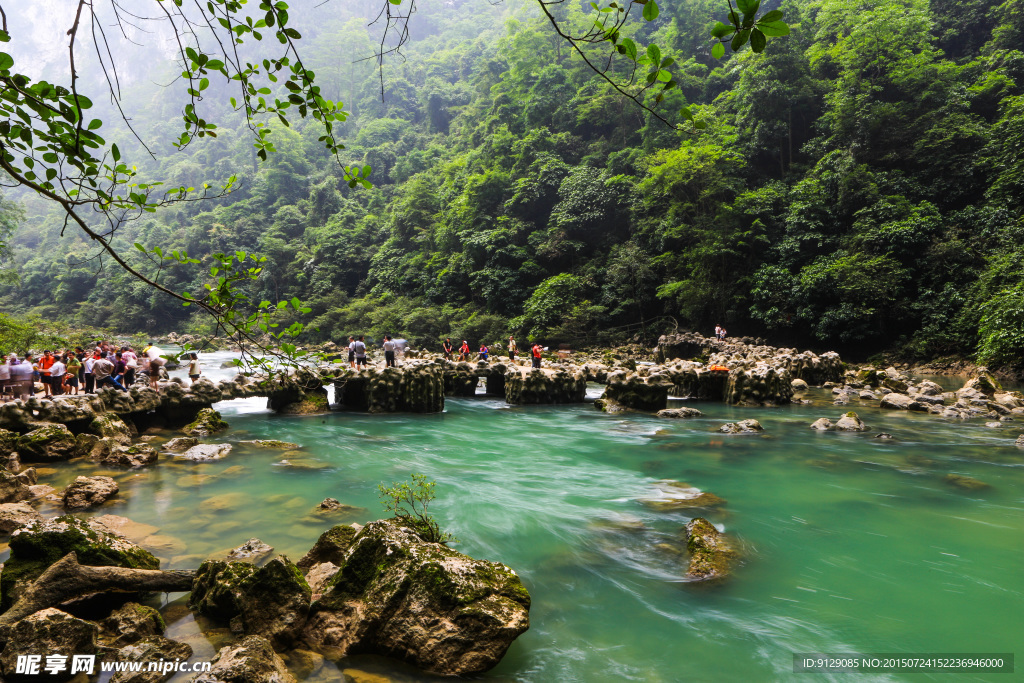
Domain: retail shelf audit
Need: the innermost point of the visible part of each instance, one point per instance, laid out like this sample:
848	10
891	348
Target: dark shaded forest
859	185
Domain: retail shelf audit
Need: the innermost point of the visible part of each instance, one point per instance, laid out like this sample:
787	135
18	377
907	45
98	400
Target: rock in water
422	603
47	444
14	487
149	650
966	483
271	601
136	455
206	451
711	553
107	425
207	423
673	495
1019	443
47	632
36	547
180	444
799	385
851	422
741	427
252	660
332	546
271	443
895	401
823	425
131	623
16	515
679	412
87	492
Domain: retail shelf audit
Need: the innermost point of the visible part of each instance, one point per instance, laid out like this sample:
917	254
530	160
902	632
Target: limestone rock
422	603
87	492
850	422
823	425
131	623
14	487
147	650
966	483
107	425
131	456
252	550
37	546
206	451
679	412
741	427
711	552
607	405
207	423
180	444
636	392
1019	443
799	385
16	515
47	444
47	632
670	495
896	401
252	660
271	601
528	386
270	443
319	576
332	546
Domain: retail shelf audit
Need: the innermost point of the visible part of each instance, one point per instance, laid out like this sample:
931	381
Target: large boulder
332	546
251	660
135	455
130	623
111	426
527	386
47	632
271	601
207	423
679	412
180	444
639	393
48	444
87	492
711	552
37	546
895	401
741	427
206	451
422	603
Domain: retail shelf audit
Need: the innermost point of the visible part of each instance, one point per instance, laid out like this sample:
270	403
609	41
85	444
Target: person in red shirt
537	348
464	350
44	372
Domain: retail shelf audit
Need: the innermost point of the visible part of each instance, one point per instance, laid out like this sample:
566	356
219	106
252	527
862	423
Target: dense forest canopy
859	184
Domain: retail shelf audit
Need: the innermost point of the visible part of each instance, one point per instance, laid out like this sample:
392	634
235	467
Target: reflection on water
852	544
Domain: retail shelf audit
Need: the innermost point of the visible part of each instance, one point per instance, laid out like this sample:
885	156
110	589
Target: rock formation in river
528	386
711	552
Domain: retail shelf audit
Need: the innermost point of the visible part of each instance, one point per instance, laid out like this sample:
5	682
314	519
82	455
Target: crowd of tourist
78	371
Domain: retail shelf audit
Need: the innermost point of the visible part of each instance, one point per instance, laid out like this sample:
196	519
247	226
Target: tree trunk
66	579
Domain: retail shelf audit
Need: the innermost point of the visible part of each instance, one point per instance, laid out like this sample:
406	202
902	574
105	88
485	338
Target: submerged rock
207	423
679	412
37	546
675	495
966	483
741	427
87	492
136	455
271	601
270	443
711	552
47	632
423	603
252	660
883	435
180	444
150	649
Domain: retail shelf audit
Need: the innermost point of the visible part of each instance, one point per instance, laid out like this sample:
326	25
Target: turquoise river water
851	544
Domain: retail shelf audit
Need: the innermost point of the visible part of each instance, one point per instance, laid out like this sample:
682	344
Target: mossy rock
111	426
207	422
711	552
8	442
330	547
48	444
36	547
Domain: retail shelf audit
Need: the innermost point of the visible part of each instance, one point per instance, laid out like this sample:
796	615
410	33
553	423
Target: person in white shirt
57	371
156	361
90	379
194	368
389	352
5	373
21	377
131	364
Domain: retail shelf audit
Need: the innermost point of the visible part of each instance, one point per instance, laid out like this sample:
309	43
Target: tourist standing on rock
5	374
156	361
537	348
718	331
44	372
721	335
131	364
194	368
102	369
359	346
71	378
352	352
90	379
120	368
389	352
21	376
447	348
512	349
57	370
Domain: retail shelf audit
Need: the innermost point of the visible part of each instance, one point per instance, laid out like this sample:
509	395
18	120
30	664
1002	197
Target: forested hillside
860	185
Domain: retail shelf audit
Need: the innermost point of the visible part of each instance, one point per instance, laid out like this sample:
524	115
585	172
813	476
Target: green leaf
769	17
630	47
718	51
115	153
651	10
747	6
6	61
774	29
664	76
94	124
654	53
740	39
721	30
757	41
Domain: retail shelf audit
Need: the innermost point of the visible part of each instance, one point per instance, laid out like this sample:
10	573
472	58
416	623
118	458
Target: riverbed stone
332	546
16	515
130	623
14	488
270	443
897	401
679	412
741	427
180	444
150	649
823	424
206	451
47	632
132	456
670	495
48	444
271	601
108	425
711	552
252	550
422	603
1019	443
850	422
799	385
36	546
88	492
965	483
251	660
207	423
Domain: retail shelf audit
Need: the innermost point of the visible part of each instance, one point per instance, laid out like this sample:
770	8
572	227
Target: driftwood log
66	579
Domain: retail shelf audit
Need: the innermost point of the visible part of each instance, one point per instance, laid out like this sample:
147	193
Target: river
851	544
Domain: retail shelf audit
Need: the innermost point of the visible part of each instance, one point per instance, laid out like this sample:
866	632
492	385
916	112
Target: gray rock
252	660
207	423
206	451
679	412
994	425
14	488
850	422
1019	443
332	546
252	550
180	444
147	650
741	427
48	444
823	425
799	385
111	426
136	455
895	401
47	632
16	515
87	492
130	623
